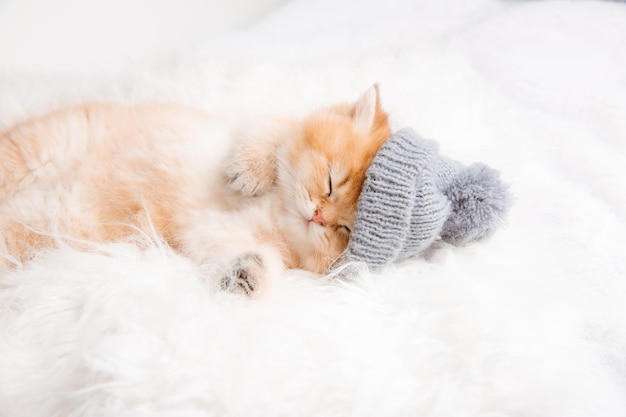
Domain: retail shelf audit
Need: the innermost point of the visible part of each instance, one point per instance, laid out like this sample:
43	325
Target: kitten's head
321	173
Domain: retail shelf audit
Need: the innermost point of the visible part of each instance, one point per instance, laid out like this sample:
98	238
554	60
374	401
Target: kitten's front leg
251	272
245	273
251	168
225	244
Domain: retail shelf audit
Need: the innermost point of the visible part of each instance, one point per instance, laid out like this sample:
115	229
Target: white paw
250	178
245	274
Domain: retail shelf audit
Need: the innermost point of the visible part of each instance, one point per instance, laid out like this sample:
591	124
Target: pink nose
318	218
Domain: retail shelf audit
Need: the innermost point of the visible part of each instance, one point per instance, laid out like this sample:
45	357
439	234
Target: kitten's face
321	173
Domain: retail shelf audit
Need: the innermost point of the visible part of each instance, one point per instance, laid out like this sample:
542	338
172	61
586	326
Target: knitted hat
413	197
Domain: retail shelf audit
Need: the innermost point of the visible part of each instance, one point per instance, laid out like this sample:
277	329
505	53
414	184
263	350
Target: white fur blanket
529	323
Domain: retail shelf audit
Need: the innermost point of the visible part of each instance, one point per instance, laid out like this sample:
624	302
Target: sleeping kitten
283	196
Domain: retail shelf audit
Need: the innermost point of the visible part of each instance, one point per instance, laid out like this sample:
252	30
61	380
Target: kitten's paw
248	176
245	274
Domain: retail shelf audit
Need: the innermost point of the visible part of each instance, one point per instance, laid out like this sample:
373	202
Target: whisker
293	183
292	174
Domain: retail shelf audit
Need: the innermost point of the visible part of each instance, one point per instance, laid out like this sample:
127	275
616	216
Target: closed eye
330	185
344	228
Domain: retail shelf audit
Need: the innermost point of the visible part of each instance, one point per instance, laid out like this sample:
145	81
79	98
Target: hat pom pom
479	201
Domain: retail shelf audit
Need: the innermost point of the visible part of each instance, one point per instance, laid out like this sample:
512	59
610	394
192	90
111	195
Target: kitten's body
102	172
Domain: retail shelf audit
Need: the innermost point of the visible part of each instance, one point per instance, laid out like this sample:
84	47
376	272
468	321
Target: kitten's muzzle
318	217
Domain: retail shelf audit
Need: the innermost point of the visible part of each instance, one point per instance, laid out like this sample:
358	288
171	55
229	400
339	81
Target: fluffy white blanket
529	323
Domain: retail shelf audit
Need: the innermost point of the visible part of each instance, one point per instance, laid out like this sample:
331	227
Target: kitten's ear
366	109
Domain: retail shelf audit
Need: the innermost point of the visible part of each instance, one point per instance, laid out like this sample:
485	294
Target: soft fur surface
531	322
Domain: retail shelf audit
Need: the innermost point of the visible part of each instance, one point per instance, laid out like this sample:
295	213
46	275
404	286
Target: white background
109	36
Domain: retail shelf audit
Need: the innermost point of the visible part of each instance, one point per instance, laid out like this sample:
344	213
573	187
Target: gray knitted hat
413	197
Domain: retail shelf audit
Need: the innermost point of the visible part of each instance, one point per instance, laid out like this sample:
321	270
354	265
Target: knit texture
413	197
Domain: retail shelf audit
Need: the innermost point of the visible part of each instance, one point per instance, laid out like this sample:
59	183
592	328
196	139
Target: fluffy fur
103	172
530	323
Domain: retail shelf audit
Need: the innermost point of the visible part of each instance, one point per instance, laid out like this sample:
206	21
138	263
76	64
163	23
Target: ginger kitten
283	196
